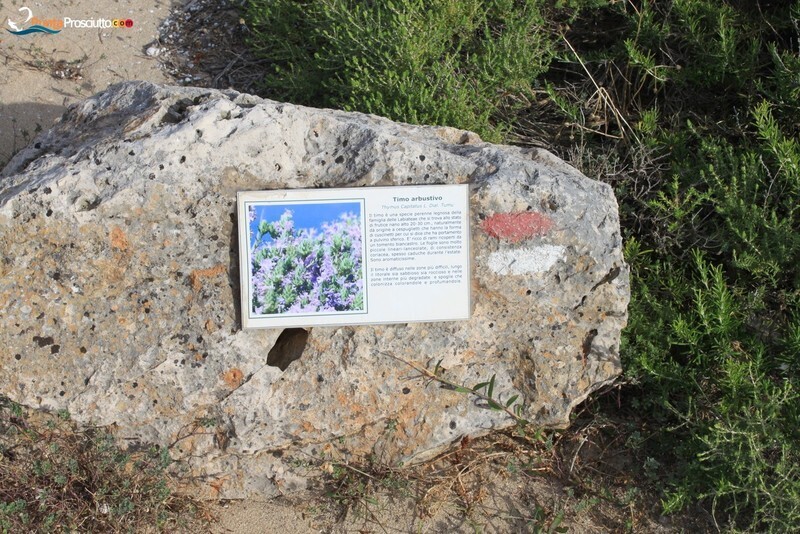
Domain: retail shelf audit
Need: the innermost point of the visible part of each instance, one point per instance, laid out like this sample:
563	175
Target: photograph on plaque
354	256
305	257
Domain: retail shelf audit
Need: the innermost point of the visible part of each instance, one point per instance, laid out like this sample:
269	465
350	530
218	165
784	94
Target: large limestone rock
119	286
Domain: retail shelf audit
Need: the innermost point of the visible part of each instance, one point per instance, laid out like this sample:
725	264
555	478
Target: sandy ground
255	517
42	74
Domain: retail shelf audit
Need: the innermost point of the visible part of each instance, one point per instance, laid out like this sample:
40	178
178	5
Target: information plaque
317	257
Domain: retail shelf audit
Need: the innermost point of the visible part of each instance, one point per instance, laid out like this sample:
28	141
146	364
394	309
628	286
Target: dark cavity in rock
288	348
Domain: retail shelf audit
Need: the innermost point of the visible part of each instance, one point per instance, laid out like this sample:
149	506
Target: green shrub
460	63
713	338
725	392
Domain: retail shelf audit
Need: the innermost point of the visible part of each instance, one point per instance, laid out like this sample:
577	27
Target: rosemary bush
454	63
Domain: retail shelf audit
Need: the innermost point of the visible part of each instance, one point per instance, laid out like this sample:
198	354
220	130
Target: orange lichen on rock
216	485
118	239
196	276
233	377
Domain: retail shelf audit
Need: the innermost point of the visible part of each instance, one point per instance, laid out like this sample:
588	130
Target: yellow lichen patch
196	276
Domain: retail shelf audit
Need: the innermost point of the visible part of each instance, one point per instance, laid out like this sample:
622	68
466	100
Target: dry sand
255	517
42	74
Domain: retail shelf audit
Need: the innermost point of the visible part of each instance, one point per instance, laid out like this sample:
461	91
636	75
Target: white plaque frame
413	264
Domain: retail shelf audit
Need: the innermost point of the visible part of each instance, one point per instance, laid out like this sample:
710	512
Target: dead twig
603	93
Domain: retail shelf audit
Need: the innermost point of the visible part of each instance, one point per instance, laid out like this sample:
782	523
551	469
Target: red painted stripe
516	227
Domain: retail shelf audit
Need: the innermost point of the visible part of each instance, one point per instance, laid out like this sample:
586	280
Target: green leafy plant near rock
691	109
713	338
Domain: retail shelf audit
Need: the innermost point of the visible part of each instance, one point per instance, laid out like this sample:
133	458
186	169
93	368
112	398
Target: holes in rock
288	348
587	343
43	341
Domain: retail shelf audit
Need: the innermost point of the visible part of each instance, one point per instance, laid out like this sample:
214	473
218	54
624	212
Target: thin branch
432	376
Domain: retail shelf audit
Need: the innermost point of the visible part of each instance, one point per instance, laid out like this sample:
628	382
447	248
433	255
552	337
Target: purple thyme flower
308	270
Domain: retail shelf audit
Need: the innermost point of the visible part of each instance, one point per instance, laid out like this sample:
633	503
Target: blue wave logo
34	29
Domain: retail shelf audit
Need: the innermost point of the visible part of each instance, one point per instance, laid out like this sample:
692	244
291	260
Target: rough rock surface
119	286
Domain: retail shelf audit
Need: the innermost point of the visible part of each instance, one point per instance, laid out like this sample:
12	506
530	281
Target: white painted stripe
525	260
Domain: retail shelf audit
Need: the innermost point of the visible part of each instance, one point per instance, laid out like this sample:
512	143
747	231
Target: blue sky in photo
304	215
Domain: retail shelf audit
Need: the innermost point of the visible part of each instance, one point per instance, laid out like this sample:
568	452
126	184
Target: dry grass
580	480
203	44
55	477
36	58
